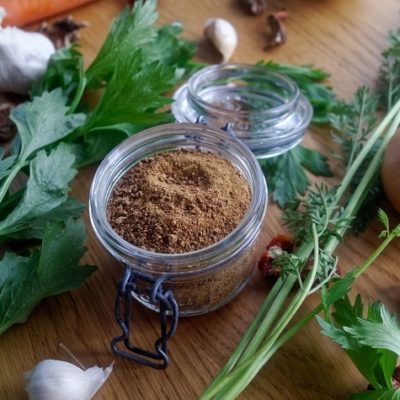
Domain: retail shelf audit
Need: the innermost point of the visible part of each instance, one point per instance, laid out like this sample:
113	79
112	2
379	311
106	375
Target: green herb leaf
389	74
133	95
43	121
36	227
65	71
313	161
130	31
337	291
46	190
383	218
356	120
6	164
97	144
384	334
368	341
25	281
169	50
286	177
309	80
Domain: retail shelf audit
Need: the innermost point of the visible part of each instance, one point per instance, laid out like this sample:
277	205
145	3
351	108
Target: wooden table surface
344	37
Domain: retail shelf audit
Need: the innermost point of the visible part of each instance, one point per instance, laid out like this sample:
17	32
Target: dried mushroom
255	7
277	34
63	32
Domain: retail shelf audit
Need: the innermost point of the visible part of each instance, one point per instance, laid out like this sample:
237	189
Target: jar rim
274	116
115	165
281	108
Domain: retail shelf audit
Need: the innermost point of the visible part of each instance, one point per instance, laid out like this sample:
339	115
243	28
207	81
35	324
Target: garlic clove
24	57
98	376
222	35
60	380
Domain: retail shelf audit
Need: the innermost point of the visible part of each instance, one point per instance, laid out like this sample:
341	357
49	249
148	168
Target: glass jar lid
265	109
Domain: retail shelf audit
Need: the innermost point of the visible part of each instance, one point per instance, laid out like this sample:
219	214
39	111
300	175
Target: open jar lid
265	110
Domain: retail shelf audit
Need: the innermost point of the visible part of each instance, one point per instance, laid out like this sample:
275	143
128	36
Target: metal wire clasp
228	127
123	314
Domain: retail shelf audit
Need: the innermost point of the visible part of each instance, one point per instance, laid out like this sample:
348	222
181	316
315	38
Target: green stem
370	260
255	334
7	182
270	317
261	359
356	273
254	366
366	149
248	336
367	180
78	95
224	384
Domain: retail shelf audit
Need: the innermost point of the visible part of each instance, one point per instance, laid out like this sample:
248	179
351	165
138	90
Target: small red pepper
274	248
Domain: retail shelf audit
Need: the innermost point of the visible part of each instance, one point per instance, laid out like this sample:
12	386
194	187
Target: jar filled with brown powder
182	205
178	201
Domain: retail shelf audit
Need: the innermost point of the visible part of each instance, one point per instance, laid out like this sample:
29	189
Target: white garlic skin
222	35
60	380
23	58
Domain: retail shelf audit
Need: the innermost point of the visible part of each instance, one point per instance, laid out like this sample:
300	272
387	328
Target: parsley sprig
59	131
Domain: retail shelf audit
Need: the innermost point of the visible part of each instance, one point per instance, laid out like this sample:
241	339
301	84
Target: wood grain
341	36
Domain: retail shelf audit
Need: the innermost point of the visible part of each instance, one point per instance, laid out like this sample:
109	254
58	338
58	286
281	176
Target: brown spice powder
178	201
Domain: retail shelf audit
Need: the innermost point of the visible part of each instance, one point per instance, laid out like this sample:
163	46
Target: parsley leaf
337	291
129	31
286	177
378	331
6	164
46	191
170	50
127	106
25	281
132	97
64	71
43	121
310	82
36	227
371	341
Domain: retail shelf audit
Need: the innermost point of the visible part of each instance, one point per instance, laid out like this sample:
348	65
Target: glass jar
196	282
266	109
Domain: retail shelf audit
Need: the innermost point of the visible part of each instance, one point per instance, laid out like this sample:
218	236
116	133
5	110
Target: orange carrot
22	12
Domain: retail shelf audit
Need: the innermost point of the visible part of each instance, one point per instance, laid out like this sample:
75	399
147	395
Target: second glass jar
265	109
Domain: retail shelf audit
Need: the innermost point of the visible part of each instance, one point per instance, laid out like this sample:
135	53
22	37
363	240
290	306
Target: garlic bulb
222	35
23	58
60	380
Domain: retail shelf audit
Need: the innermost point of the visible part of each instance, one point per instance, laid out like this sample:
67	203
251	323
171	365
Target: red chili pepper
274	248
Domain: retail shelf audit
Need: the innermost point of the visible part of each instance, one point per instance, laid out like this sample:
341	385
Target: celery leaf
43	121
45	194
54	269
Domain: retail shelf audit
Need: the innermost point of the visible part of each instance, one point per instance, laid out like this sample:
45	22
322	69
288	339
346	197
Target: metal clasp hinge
169	313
